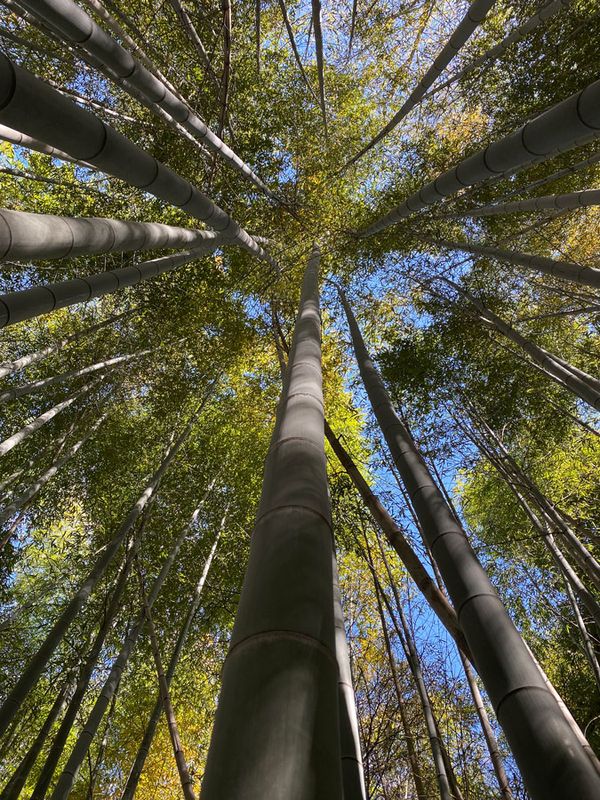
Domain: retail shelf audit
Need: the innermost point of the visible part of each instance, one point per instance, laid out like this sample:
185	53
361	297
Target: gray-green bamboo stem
107	624
44	383
24	235
38	663
565	270
85	136
28	430
578	382
144	748
69	774
477	12
562	127
9	367
543	13
549	202
15	137
76	26
318	31
38	300
27	494
15	785
281	670
535	727
353	778
292	38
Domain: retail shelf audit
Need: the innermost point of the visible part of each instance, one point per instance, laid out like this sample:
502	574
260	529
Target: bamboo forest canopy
300	391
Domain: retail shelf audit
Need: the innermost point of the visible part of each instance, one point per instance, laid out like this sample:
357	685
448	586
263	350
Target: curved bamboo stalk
477	12
562	127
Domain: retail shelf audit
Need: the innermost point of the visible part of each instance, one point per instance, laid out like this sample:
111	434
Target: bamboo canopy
300	385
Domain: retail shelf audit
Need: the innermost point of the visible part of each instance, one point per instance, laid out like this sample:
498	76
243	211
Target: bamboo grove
300	388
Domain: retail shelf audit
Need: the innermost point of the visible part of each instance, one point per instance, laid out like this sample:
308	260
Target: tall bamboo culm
353	778
39	660
276	732
144	748
552	760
